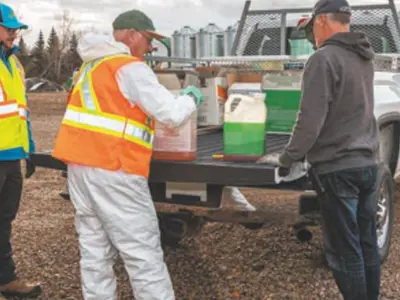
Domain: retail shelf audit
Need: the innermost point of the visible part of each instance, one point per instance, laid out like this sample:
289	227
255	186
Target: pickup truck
188	194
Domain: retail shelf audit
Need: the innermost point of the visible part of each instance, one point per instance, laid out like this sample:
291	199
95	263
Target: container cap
257	95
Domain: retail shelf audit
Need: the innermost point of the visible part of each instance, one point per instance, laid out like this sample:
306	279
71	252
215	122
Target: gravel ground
224	262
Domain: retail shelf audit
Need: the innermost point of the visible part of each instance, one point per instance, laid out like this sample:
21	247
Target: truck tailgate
204	169
216	171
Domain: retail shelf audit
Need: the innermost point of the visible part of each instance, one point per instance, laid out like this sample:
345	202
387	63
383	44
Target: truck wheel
174	228
169	240
386	143
385	211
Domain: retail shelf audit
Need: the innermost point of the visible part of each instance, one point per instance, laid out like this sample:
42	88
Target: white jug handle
231	100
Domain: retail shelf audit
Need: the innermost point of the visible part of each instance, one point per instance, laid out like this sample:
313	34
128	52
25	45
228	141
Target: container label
182	139
214	93
222	93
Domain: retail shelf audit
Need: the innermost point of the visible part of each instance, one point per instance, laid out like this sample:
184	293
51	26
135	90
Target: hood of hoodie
356	42
95	45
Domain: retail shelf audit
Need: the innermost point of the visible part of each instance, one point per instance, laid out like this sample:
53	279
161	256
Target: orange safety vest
100	127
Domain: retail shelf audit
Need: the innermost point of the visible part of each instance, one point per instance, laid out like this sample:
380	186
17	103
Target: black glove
30	168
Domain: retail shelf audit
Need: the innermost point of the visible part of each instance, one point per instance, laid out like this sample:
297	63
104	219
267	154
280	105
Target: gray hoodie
336	128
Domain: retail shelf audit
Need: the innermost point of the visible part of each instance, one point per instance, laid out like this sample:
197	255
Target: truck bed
204	169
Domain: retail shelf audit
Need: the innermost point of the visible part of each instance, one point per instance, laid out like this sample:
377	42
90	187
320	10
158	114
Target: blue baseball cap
8	18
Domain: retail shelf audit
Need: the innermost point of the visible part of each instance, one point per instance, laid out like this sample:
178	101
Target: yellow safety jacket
13	107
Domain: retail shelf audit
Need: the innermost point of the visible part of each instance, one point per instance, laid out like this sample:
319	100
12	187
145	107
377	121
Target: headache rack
274	32
268	40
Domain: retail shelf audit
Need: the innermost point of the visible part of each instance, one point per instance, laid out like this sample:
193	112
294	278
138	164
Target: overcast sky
167	15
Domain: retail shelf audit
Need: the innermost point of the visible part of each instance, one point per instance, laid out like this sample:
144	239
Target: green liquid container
244	127
283	93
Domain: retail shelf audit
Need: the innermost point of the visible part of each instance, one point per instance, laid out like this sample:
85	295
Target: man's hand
271	159
193	92
30	168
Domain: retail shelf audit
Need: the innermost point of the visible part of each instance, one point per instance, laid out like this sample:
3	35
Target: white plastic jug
250	108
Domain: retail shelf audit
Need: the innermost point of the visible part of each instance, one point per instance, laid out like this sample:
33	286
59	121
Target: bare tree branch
64	34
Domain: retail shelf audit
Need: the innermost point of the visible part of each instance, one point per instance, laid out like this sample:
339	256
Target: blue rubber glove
194	92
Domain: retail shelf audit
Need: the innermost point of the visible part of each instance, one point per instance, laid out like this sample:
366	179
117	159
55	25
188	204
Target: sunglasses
309	33
146	36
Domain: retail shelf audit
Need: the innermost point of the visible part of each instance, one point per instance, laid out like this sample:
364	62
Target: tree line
54	58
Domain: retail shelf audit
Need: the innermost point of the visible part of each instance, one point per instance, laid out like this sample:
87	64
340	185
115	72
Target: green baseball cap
135	19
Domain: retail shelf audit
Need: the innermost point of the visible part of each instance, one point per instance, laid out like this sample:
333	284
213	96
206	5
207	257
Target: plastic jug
283	94
178	144
244	127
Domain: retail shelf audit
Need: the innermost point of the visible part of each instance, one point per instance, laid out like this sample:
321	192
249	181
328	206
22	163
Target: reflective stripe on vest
23	112
11	108
86	90
109	124
8	109
2	94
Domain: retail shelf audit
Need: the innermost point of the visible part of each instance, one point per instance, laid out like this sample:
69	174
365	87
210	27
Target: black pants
10	196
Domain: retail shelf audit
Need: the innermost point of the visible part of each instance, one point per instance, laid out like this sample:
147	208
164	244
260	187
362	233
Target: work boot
21	289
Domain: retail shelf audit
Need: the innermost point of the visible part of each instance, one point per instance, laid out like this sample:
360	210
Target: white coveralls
114	210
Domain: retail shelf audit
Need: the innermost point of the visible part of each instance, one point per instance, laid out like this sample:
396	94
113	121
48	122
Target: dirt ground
224	262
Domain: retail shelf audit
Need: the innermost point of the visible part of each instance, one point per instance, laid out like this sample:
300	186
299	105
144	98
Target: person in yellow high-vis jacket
16	144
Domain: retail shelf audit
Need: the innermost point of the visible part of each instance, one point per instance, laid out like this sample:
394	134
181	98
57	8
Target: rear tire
174	228
387	150
385	211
